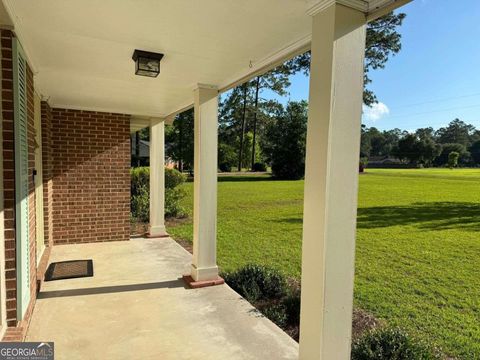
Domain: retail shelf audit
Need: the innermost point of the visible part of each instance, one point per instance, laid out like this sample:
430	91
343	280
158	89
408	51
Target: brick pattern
9	182
47	162
91	176
8	175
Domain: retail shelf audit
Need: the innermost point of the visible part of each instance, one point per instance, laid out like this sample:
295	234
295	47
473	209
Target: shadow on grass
428	216
240	178
291	220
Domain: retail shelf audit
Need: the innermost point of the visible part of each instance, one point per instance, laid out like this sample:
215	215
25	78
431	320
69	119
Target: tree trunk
242	133
257	89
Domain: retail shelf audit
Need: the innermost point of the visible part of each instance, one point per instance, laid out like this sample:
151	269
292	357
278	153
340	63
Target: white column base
158	231
204	274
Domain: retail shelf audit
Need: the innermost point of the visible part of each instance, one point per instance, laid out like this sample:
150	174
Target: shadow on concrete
170	284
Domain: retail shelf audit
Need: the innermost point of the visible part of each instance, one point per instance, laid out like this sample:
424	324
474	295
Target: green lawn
418	245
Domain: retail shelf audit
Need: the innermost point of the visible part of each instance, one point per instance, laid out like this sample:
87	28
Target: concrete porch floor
136	306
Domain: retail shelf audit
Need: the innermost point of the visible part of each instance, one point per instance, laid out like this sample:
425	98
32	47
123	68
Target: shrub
276	313
227	157
391	344
442	159
140	179
140	204
258	166
173	198
174	193
453	159
173	178
256	282
140	193
291	303
224	167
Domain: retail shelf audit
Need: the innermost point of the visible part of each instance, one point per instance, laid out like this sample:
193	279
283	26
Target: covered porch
137	306
80	56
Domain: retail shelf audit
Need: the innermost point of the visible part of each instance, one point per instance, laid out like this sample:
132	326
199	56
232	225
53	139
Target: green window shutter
21	178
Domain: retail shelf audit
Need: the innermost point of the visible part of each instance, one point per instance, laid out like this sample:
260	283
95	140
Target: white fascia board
379	8
318	6
372	9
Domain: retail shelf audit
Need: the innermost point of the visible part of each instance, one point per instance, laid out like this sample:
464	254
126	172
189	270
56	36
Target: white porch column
157	178
331	182
204	263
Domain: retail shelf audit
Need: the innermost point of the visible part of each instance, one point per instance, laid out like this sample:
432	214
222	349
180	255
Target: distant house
140	153
386	162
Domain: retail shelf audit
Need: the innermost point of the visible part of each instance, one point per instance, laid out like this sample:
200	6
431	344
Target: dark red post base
200	284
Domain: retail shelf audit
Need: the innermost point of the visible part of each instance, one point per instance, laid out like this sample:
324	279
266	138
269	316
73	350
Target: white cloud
375	112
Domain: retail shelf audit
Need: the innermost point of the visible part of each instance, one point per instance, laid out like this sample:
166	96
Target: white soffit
81	50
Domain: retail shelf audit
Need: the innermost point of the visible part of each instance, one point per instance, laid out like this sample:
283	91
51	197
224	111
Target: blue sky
436	76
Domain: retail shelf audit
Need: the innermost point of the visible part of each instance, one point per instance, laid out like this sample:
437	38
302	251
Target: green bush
391	344
258	166
256	282
223	167
172	202
227	157
140	205
276	313
291	303
140	193
140	180
174	178
453	159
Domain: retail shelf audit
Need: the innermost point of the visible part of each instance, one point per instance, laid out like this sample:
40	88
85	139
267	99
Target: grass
418	245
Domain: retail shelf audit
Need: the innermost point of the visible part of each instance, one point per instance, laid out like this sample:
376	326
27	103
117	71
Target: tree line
425	146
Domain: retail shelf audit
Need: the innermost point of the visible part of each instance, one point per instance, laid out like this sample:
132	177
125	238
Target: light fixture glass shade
147	63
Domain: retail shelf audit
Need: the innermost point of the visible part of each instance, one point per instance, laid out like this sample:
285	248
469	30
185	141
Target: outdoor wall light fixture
147	63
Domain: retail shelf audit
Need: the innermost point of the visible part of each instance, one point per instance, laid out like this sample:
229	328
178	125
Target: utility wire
433	112
436	100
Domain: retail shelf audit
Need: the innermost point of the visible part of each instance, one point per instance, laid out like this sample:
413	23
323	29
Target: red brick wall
91	176
9	180
8	176
47	162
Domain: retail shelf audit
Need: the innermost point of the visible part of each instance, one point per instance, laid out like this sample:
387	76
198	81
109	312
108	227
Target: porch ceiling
81	51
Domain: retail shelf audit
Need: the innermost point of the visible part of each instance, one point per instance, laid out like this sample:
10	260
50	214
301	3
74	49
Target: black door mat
69	270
